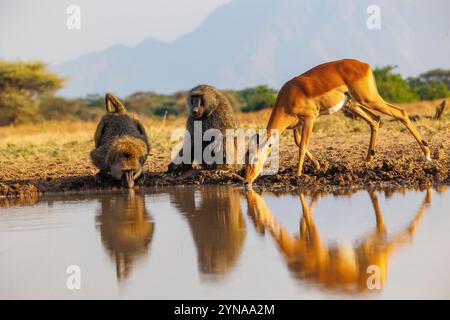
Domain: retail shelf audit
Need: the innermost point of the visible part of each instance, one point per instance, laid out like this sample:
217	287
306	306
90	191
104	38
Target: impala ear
268	143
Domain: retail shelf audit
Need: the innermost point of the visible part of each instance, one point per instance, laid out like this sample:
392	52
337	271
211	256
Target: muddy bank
387	173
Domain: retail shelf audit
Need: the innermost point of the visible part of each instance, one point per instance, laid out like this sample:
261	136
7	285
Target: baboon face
201	101
197	105
127	156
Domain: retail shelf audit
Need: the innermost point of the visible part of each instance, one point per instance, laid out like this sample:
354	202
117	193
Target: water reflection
6	202
206	245
126	229
217	225
334	266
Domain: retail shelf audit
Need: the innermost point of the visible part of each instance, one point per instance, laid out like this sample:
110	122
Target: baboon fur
216	113
121	145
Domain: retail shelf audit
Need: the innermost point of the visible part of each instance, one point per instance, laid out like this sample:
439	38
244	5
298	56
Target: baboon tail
113	105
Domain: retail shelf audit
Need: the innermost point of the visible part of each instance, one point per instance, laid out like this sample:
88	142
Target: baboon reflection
334	266
126	229
217	225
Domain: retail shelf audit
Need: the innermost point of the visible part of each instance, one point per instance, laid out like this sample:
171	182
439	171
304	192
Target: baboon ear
113	105
141	128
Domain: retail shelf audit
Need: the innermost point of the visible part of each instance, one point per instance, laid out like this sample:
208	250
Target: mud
342	167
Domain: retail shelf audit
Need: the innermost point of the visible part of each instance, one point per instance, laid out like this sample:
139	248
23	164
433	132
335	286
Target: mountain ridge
249	42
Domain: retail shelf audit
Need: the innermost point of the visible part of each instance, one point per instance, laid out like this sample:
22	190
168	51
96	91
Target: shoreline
379	175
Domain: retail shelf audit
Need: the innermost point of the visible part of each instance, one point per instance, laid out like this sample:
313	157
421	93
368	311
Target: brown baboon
212	110
121	145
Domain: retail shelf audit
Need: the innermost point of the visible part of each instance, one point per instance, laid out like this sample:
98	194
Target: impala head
255	158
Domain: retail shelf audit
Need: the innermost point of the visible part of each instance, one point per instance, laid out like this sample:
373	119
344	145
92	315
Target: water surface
225	243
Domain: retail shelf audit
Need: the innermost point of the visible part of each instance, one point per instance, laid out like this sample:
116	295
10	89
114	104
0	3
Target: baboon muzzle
128	179
196	106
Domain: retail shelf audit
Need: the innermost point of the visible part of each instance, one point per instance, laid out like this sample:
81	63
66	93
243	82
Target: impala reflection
351	269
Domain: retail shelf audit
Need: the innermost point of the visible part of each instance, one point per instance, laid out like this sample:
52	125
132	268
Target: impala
324	90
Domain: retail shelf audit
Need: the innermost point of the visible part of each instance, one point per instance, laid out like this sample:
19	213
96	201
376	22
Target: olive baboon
121	145
212	109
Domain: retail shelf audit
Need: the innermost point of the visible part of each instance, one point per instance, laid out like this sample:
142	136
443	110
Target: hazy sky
36	29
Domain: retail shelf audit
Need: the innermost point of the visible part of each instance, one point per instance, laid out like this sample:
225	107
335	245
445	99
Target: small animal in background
209	106
121	145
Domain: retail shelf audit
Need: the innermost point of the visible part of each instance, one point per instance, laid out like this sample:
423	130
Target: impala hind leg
401	115
373	121
297	137
306	135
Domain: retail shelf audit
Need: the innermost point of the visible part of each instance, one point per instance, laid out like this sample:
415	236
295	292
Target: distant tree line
433	84
27	95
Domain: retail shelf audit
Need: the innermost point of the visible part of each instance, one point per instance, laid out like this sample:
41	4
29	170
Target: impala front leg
306	135
298	137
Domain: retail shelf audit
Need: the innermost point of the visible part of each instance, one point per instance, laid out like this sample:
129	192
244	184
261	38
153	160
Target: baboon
121	145
213	110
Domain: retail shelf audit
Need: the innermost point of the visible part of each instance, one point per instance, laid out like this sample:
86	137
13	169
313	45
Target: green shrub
391	86
257	98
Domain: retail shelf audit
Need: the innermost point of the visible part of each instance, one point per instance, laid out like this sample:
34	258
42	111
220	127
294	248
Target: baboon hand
141	179
100	177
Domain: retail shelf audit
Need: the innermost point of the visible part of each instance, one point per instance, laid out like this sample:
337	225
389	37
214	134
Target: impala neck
279	121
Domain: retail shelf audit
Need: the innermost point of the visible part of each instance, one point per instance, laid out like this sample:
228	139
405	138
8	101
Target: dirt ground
54	157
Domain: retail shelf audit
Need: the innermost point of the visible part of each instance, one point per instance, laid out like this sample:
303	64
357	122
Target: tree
21	85
436	76
392	86
93	100
257	98
433	84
